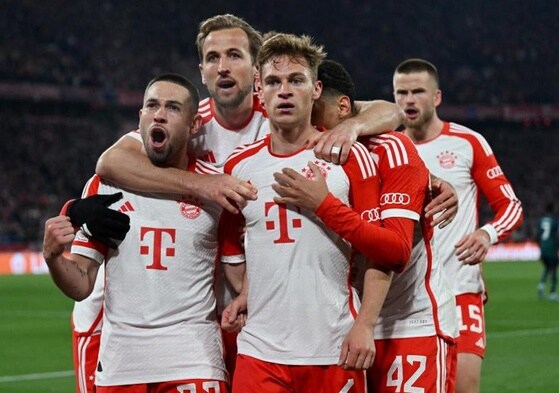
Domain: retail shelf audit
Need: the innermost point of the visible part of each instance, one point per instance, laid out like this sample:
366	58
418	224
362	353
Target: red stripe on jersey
127	207
432	299
496	189
243	152
469	134
427	231
92	186
205	168
204	109
209	157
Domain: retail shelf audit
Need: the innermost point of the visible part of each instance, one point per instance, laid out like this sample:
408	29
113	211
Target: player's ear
256	76
438	97
317	91
258	89
195	124
344	106
202	74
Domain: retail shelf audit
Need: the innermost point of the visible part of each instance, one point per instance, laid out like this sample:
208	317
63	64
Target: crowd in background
488	53
45	160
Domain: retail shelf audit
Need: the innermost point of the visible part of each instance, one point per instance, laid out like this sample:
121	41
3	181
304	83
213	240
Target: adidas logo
126	207
480	343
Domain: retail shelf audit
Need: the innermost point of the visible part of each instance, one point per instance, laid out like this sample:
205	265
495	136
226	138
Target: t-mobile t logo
158	237
283	221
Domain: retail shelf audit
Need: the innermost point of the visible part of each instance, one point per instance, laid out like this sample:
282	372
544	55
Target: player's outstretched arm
126	164
75	276
373	117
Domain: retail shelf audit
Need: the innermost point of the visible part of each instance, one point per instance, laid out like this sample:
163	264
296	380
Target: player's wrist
491	232
51	256
193	183
368	322
324	205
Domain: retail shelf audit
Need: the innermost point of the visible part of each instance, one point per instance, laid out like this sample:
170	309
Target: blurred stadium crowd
71	74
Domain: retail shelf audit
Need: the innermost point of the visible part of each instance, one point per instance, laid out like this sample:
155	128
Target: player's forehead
166	91
412	80
226	39
284	65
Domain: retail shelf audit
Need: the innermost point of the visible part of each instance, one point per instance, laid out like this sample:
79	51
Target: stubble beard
231	102
420	122
160	159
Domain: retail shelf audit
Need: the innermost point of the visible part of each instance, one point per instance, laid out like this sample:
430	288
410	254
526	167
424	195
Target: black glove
93	217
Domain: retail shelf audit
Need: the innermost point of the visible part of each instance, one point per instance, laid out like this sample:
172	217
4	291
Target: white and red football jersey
214	142
300	301
420	302
463	158
159	320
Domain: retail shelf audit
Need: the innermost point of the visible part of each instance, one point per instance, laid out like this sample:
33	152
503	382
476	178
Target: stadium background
72	74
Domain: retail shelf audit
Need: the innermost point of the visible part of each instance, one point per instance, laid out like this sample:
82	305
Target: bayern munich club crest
447	159
190	207
322	165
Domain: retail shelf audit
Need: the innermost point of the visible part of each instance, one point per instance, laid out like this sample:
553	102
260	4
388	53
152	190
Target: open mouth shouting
412	113
158	138
225	84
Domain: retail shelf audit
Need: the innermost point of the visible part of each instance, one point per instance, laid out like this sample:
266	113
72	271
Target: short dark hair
228	21
336	80
180	80
418	65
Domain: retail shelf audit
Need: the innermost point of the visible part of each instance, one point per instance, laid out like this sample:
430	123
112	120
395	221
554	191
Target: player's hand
445	203
94	217
296	189
229	192
472	248
334	145
59	233
234	316
358	348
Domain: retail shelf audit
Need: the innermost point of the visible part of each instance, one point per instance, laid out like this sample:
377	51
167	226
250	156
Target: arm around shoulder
377	116
126	164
